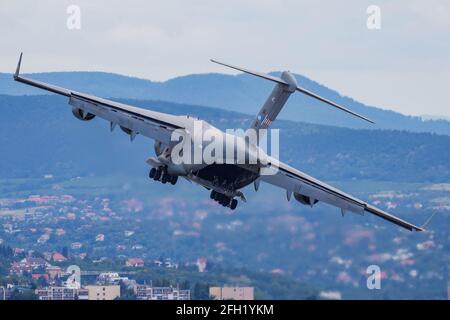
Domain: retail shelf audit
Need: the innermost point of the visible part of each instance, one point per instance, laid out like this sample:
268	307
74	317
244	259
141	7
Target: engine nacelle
307	201
82	115
126	130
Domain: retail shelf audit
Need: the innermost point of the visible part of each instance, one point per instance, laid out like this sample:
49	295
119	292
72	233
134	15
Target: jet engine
126	130
82	115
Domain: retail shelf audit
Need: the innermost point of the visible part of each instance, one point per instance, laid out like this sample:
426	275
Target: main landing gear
162	175
223	199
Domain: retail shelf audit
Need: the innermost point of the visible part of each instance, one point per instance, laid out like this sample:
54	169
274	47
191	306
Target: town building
60	232
201	264
110	278
448	290
232	293
54	271
37	276
58	257
146	292
110	292
83	294
135	262
56	293
330	295
27	265
87	293
76	245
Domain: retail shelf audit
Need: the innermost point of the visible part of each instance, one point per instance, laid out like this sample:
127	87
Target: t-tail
285	86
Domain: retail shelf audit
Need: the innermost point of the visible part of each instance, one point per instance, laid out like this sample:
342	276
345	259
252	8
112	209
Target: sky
403	66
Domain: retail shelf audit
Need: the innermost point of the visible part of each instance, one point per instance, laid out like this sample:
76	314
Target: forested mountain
242	93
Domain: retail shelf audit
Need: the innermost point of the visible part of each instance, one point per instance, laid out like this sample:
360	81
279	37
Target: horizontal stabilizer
299	89
255	73
331	103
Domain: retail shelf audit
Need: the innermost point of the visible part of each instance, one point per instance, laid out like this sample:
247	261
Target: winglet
16	75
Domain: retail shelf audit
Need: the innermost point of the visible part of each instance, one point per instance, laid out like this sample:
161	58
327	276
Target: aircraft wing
309	190
155	125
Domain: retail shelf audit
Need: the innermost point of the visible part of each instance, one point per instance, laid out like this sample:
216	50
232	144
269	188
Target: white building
232	293
145	292
110	278
62	293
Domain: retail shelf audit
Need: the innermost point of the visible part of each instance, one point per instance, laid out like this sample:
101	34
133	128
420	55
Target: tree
42	282
65	252
125	292
201	291
185	285
23	295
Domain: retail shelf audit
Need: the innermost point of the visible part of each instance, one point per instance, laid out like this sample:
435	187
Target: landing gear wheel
173	180
233	204
213	194
152	172
225	201
157	175
165	178
216	196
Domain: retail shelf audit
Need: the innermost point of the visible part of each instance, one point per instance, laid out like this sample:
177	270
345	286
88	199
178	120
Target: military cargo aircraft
223	179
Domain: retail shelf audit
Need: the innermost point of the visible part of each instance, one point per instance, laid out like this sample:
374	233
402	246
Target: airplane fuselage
221	161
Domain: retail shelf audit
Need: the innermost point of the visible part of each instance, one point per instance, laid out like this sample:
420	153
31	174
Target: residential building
56	293
54	272
201	264
58	257
448	290
62	293
27	265
110	292
47	255
330	295
135	262
35	262
128	233
43	238
18	251
60	232
3	293
18	268
83	294
145	292
37	276
232	293
76	245
110	278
